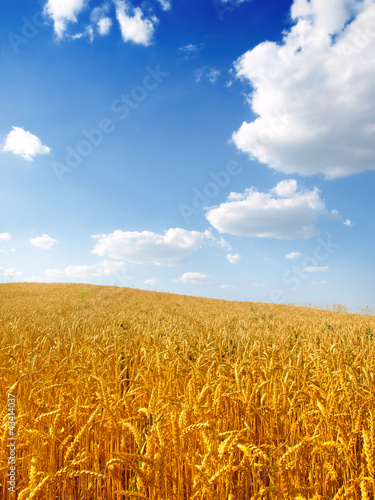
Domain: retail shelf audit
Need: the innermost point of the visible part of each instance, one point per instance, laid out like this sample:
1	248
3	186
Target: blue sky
221	149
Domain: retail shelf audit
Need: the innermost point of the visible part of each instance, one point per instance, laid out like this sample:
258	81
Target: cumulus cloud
22	143
313	93
229	287
233	258
134	27
284	212
45	242
103	268
193	278
293	255
145	247
5	237
62	13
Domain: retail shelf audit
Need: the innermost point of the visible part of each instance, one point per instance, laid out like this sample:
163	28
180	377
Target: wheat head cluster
129	394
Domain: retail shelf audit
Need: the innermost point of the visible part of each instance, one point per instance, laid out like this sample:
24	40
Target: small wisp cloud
193	277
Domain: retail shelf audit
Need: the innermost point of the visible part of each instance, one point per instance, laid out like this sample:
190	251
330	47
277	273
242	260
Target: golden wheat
124	393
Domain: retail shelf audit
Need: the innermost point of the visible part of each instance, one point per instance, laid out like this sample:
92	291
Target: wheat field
129	394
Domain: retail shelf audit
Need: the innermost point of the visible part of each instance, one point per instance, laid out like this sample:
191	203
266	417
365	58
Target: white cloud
5	237
104	25
98	12
315	269
293	255
150	282
313	93
224	287
284	212
189	50
259	284
211	74
88	32
100	18
63	12
103	268
335	214
22	143
199	75
165	4
145	247
134	28
233	258
45	242
193	278
286	189
77	36
11	272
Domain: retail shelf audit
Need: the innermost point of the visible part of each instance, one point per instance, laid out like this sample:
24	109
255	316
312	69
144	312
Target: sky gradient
221	149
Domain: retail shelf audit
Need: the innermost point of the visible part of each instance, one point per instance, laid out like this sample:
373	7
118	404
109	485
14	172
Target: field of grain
128	394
